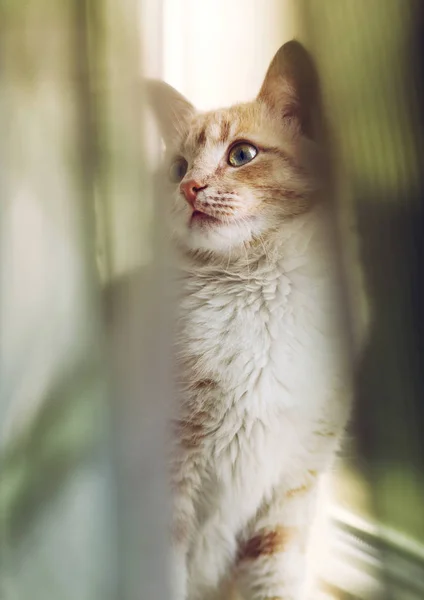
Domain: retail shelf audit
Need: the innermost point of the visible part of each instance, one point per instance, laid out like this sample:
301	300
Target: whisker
238	223
260	238
229	254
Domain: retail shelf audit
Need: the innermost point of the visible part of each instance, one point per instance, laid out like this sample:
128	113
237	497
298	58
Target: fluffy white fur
271	335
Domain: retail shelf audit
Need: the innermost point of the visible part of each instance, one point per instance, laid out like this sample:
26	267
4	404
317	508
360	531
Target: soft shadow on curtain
82	486
370	60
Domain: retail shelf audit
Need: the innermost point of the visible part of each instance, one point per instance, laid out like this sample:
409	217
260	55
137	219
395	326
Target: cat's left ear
290	88
171	110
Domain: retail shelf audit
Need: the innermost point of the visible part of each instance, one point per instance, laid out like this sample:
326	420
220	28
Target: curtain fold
370	60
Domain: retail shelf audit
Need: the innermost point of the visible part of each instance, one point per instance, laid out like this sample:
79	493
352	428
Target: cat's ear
171	110
290	88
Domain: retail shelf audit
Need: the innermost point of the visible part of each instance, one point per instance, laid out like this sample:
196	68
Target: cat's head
238	173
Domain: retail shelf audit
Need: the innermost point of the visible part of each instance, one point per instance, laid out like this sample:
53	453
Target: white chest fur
265	377
271	331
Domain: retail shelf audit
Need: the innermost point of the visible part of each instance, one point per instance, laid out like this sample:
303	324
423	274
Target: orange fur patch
201	137
225	131
192	430
267	543
306	487
179	531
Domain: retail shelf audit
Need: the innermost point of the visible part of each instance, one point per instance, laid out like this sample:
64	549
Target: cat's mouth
201	218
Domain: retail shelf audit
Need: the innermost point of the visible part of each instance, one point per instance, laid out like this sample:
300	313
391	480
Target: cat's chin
209	234
201	219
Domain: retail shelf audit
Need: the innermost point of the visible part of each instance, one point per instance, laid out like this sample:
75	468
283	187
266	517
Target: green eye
178	169
241	154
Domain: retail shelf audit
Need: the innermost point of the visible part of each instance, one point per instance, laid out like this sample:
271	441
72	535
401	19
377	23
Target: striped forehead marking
213	128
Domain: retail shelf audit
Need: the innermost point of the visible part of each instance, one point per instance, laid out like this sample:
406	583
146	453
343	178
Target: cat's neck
296	239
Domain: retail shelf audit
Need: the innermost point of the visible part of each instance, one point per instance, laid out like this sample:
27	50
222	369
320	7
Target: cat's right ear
171	110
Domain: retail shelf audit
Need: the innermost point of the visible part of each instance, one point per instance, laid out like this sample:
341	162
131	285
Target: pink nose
190	190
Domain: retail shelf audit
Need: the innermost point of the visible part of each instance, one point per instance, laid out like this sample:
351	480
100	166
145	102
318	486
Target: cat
264	365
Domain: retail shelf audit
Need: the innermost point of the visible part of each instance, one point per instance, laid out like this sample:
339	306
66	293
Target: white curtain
82	493
84	392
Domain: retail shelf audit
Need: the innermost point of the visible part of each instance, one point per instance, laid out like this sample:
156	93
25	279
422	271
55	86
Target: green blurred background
78	456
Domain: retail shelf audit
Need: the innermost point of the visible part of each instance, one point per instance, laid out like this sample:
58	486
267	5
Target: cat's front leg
271	564
183	519
178	572
184	484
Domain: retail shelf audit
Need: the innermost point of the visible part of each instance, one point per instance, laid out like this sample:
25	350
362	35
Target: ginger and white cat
262	351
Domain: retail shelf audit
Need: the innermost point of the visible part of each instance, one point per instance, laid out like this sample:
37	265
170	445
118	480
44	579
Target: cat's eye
178	169
241	154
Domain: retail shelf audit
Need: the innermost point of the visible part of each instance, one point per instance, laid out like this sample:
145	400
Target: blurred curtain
83	497
369	55
82	492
